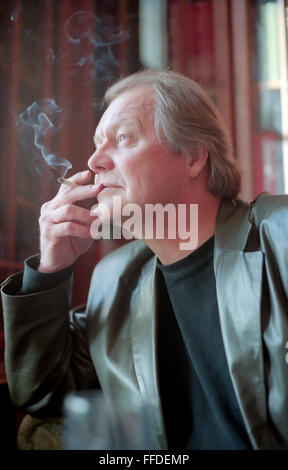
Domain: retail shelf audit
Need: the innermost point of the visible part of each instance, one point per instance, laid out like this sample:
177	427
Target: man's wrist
46	269
35	280
42	269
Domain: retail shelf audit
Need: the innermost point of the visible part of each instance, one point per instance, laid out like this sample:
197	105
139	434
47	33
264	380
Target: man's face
129	158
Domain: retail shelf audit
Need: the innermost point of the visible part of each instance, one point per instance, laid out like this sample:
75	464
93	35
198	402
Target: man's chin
106	213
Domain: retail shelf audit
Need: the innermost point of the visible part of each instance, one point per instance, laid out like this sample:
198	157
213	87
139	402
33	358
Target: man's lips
106	187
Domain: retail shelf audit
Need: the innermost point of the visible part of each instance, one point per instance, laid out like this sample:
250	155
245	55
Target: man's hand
64	226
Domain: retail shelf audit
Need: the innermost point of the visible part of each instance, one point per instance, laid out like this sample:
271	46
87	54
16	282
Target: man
199	333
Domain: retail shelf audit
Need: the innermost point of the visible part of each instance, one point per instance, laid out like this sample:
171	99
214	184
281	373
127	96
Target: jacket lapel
239	302
144	344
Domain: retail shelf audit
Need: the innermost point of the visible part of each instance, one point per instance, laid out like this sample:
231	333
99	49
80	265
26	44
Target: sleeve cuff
34	281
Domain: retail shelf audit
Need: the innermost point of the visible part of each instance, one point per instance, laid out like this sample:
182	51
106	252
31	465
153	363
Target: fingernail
95	187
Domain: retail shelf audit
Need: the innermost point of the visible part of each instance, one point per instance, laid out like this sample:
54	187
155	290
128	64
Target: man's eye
122	137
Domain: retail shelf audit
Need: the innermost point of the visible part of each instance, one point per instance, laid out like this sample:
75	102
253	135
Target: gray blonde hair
185	119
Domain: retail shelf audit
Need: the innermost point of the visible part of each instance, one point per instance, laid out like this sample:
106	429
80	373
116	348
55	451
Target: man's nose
100	161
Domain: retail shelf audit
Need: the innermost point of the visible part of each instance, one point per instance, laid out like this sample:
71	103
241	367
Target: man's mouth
106	187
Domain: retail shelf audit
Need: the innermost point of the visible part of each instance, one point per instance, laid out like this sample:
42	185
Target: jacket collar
233	224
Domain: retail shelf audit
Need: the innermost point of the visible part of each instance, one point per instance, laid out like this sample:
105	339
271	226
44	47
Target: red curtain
62	54
56	57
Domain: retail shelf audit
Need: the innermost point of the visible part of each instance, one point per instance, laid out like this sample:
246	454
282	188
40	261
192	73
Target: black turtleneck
199	404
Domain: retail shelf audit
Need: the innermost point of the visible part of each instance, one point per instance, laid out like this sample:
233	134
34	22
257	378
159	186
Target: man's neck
171	250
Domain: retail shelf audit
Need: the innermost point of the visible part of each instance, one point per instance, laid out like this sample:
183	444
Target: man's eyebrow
135	121
124	121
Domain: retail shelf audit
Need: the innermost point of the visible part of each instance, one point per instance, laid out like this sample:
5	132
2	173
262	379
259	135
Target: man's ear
197	161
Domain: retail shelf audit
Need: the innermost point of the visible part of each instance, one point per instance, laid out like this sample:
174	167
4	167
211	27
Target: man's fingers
68	213
70	195
80	178
69	229
78	193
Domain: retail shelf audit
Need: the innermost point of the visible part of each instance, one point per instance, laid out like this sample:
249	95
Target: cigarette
67	182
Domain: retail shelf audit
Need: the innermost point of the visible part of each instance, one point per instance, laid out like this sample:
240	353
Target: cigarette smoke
44	118
91	40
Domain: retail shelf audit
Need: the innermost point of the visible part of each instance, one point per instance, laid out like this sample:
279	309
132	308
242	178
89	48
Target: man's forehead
134	104
134	99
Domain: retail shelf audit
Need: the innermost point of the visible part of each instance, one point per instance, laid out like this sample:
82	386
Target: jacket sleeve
270	215
46	351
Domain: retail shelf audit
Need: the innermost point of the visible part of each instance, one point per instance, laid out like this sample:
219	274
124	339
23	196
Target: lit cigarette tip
67	182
